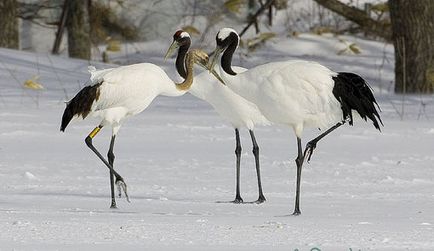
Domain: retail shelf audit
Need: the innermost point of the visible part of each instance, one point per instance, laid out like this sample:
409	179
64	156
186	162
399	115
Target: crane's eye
219	42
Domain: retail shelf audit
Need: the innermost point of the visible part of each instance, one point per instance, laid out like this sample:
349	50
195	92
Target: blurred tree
9	24
60	27
359	17
412	33
78	25
254	17
105	22
251	9
413	38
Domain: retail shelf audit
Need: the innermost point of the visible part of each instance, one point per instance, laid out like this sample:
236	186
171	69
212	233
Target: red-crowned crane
297	94
229	105
118	93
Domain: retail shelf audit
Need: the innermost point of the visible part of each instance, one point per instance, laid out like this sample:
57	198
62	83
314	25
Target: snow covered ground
363	190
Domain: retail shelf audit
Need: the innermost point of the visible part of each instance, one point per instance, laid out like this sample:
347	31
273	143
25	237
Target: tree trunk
413	38
270	15
359	17
79	45
61	27
251	6
9	37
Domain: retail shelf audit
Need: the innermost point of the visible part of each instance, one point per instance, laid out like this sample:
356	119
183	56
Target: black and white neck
184	41
227	40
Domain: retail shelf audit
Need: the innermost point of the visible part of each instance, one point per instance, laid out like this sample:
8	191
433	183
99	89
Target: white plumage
233	108
118	93
298	94
128	90
294	93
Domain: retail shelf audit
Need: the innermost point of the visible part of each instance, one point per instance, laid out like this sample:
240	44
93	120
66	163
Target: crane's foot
122	186
296	212
261	199
113	205
238	200
310	146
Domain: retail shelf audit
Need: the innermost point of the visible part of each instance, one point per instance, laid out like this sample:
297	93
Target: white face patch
224	33
184	34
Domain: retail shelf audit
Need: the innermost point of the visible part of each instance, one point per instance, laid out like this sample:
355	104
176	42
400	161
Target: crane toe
260	200
238	200
122	186
309	150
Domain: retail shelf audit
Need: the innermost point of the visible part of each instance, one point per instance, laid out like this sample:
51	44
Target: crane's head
227	41
180	38
226	37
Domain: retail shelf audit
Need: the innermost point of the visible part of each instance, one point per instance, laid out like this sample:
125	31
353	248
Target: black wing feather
354	93
80	105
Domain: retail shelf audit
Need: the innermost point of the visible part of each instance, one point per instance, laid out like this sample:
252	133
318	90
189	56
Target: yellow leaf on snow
33	84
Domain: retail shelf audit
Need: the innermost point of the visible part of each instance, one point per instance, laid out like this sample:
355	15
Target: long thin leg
311	145
111	159
299	161
255	151
238	198
119	180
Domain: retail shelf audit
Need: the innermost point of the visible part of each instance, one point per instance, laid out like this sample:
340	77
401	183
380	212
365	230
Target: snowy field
363	190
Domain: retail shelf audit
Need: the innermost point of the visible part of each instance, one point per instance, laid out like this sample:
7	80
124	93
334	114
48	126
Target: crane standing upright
229	105
297	94
118	93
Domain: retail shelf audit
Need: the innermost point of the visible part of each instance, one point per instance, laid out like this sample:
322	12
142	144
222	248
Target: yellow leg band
94	132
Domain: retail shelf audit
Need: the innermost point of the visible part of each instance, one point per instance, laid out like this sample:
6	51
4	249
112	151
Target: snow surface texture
363	189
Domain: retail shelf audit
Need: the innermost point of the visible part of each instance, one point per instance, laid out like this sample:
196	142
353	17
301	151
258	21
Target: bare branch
359	17
254	17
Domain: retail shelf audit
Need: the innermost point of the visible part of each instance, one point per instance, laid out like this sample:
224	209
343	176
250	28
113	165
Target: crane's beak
171	49
215	56
217	76
204	62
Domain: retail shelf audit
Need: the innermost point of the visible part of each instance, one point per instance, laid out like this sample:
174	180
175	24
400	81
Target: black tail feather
66	118
80	105
354	93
